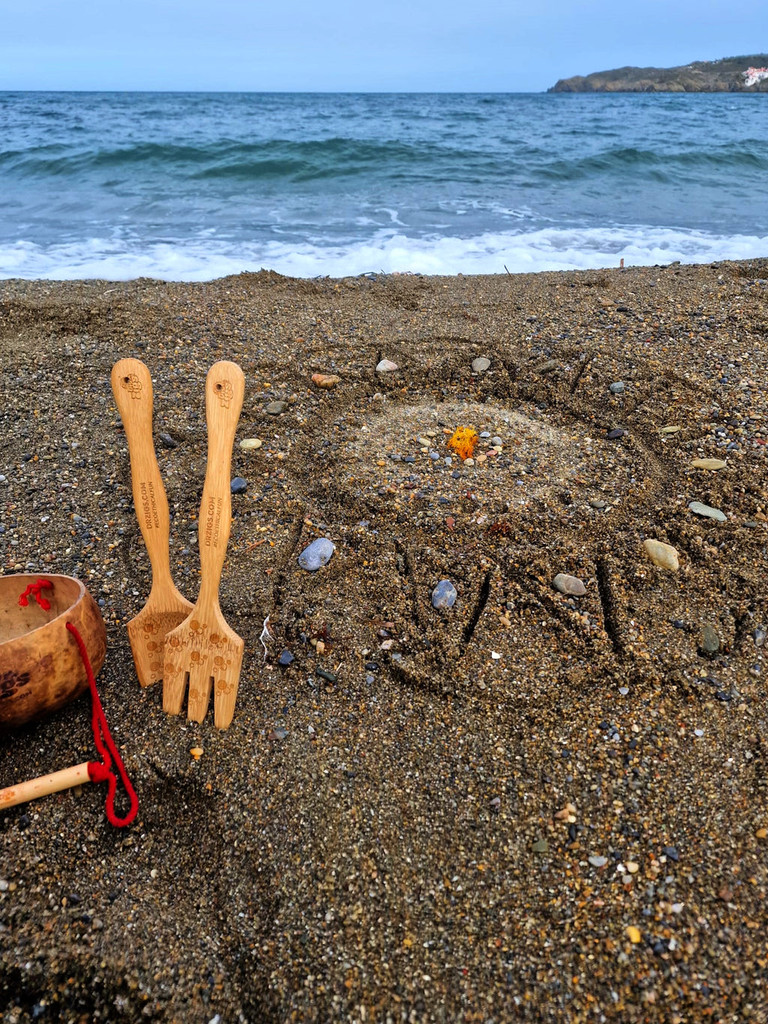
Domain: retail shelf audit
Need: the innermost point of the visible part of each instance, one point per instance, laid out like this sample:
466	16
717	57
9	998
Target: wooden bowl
40	664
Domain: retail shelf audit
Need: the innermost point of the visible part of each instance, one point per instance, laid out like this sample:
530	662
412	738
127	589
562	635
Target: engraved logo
224	393
132	385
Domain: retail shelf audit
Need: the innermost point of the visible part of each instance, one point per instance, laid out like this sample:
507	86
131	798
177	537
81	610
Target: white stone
663	555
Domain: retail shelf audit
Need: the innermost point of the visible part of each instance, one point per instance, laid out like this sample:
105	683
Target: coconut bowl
40	664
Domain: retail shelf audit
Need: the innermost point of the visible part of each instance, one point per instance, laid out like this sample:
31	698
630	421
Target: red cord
33	590
101	771
98	771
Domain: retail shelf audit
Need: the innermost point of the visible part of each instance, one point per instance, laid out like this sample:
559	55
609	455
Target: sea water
193	186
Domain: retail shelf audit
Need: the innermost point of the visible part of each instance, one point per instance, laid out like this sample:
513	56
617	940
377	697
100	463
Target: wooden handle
224	391
25	791
132	388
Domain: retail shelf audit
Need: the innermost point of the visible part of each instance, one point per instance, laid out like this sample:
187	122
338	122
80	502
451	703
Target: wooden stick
54	783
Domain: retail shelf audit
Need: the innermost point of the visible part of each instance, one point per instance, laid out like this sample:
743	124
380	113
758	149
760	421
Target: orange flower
463	441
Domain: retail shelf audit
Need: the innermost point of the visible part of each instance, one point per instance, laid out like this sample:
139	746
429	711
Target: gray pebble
317	554
617	388
168	441
700	509
598	862
709	641
285	659
238	485
759	635
481	364
444	595
597	503
569	585
275	408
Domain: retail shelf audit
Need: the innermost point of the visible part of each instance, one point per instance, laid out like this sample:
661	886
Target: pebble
633	934
759	635
632	867
598	862
386	366
196	752
709	464
275	408
700	509
238	485
168	441
277	734
663	555
444	595
540	846
325	380
670	430
709	641
617	388
497	442
597	503
615	434
569	585
249	443
481	364
285	659
317	554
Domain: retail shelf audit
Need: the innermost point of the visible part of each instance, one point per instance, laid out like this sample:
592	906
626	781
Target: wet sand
530	806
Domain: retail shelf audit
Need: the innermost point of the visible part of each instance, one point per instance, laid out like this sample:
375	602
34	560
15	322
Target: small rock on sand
386	366
663	555
481	364
444	595
317	554
325	380
700	509
569	585
709	464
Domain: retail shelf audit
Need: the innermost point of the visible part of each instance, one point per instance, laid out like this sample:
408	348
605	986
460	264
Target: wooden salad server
203	651
165	607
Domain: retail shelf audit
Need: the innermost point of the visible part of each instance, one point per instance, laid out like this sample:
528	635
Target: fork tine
200	684
225	691
174	685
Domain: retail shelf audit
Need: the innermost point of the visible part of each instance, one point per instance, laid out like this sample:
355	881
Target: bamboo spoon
165	607
203	651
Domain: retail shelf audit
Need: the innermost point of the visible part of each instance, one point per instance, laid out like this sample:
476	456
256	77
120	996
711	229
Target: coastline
389	843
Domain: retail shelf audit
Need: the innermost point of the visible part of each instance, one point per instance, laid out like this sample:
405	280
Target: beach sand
392	840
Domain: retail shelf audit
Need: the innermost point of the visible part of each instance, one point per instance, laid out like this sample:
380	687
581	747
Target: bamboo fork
203	652
165	607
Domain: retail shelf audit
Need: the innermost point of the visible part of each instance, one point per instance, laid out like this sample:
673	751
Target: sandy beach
530	806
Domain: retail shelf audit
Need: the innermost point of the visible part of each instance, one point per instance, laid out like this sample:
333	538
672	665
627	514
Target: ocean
194	186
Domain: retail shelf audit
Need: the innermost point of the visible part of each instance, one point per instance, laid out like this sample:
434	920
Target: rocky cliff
731	74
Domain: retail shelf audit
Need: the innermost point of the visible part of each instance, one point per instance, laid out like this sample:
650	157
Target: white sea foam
205	259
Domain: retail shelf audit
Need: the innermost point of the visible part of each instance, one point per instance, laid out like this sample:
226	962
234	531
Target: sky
359	45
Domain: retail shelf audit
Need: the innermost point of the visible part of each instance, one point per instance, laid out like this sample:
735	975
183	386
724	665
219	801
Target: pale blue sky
365	45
